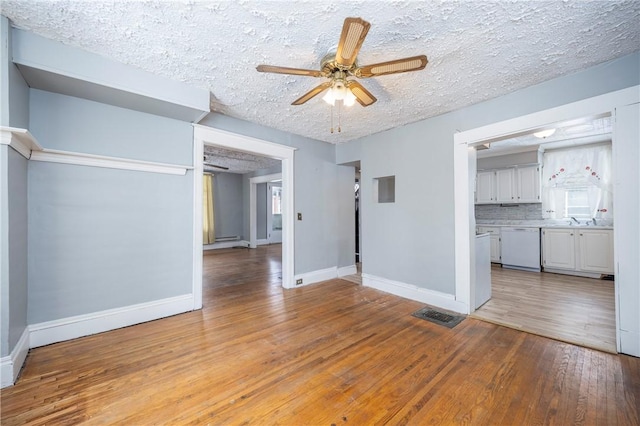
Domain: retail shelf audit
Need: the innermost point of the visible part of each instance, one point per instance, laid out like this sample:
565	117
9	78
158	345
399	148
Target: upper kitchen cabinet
485	187
505	186
528	184
519	184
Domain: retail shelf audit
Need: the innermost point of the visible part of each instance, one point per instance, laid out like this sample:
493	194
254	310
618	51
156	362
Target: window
576	182
577	204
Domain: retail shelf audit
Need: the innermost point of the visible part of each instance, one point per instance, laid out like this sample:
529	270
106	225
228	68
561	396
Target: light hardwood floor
330	353
568	308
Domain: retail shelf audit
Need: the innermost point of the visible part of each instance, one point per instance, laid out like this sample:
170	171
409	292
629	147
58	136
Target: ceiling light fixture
341	93
543	134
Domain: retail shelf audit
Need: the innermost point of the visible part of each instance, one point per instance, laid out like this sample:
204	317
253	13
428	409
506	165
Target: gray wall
14	106
104	238
412	240
530	157
316	180
77	125
13	268
227	189
17	208
346	229
261	211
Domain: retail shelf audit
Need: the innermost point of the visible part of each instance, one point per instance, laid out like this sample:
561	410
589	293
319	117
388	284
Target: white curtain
208	224
582	168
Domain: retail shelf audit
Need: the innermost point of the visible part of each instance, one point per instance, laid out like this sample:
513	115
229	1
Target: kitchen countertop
538	224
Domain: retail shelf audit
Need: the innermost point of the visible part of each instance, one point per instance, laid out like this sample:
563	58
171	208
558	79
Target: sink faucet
593	219
575	220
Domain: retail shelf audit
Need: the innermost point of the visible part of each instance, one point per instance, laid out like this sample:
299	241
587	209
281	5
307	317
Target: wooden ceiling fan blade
311	93
290	71
414	63
363	96
353	34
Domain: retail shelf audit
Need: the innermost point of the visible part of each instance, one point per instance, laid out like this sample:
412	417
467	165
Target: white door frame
271	234
203	134
598	105
253	208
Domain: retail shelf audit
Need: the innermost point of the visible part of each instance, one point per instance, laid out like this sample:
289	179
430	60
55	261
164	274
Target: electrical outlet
299	216
299	281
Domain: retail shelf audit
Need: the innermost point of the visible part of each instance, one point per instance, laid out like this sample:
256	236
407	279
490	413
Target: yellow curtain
208	225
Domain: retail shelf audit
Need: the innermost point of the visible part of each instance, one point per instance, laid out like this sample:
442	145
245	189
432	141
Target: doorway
624	147
208	135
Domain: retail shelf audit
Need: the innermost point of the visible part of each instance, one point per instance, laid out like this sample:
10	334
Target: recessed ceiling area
579	132
477	50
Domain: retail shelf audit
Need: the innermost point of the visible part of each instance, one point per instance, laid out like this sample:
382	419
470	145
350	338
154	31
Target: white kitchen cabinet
596	250
505	186
485	187
558	249
528	184
520	184
579	251
494	249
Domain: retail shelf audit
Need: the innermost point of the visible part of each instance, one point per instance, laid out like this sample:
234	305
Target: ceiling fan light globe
339	91
349	99
329	97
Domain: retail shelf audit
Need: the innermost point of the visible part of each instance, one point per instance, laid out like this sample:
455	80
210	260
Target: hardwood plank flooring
333	353
572	309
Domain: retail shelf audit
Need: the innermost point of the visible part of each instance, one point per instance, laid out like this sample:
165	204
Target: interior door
274	212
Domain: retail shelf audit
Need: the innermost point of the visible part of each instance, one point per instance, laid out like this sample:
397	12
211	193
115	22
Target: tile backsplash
509	211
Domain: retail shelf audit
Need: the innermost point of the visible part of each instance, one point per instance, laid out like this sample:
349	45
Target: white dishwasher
521	248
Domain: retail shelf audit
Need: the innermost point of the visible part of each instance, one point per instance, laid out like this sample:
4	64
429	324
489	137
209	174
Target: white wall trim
413	292
211	136
260	242
347	270
11	364
81	159
20	140
45	333
576	111
317	276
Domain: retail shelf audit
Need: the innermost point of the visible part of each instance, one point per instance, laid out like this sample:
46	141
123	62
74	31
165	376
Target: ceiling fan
341	64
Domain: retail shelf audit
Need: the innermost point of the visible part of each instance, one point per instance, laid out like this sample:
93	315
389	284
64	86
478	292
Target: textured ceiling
235	161
477	50
571	134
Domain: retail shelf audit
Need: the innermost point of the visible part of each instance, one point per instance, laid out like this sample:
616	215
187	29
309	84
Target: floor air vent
438	317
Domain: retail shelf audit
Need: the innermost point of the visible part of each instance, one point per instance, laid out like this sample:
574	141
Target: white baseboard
262	242
317	276
347	270
629	343
10	365
410	291
225	244
60	330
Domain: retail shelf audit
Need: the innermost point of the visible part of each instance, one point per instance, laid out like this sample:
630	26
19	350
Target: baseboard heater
224	239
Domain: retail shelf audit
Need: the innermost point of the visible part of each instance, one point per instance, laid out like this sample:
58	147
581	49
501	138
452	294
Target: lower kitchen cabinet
596	251
579	251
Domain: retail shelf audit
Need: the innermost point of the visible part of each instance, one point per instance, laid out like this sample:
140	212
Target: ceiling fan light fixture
329	97
544	133
349	99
